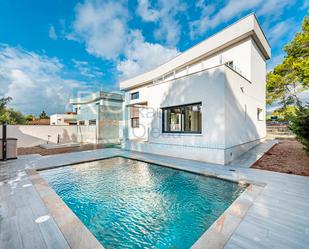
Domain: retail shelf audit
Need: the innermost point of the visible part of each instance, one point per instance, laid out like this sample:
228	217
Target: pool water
131	204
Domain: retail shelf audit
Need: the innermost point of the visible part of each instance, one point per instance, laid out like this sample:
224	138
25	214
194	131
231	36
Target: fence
279	131
33	135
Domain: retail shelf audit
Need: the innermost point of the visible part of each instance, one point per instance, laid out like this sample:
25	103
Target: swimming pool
131	204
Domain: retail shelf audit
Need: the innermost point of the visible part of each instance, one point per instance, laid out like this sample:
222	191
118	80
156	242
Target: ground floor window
182	119
135	122
92	122
259	114
81	122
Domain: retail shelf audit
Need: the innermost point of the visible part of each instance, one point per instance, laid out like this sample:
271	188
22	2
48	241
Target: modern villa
206	104
192	170
103	111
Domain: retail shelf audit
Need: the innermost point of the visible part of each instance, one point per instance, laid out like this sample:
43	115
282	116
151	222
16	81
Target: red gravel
44	152
287	156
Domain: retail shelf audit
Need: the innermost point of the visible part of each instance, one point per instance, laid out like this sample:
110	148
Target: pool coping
78	236
74	231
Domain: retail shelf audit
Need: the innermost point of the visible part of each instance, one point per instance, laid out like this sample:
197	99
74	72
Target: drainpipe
4	142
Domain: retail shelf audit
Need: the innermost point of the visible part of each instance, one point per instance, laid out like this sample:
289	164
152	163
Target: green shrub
300	126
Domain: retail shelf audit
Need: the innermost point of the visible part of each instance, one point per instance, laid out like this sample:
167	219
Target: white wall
228	127
229	106
240	53
33	135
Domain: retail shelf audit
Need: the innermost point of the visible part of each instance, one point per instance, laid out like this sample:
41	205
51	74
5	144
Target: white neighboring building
206	104
63	119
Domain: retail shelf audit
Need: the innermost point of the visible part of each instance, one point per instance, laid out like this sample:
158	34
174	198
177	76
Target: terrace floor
278	218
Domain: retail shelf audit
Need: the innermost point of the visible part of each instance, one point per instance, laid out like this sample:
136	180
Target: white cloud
52	33
146	12
142	56
276	32
165	14
33	81
235	8
274	9
101	25
86	69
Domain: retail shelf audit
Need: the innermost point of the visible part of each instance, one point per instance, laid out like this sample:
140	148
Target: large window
183	119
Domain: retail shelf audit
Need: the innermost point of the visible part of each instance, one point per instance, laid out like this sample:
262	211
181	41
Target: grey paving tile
26	220
9	234
52	235
33	240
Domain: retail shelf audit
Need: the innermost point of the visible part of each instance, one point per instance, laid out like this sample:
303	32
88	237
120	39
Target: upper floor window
230	64
134	95
183	119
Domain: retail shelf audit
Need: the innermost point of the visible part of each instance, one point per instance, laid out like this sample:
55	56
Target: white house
206	104
101	112
63	119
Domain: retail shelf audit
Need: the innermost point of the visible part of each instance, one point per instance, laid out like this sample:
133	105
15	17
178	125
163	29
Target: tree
8	115
291	77
29	117
284	114
43	115
300	126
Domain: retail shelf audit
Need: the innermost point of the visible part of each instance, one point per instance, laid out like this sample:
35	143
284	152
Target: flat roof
245	27
92	97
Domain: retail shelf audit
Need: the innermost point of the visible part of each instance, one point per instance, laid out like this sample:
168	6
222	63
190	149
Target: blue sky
49	50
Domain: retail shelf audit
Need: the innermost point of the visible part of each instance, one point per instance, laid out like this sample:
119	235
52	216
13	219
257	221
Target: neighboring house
43	121
103	111
63	119
207	104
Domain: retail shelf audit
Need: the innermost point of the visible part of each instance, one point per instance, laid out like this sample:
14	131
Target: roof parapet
245	27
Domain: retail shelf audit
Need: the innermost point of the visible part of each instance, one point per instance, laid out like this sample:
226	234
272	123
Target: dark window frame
92	122
135	125
181	106
134	95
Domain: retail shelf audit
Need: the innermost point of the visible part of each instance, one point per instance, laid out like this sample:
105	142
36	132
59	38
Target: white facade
225	76
102	110
62	119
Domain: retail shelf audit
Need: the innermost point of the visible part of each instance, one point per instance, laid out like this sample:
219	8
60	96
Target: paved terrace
278	218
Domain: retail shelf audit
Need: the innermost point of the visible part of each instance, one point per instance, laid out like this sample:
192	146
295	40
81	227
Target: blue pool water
132	204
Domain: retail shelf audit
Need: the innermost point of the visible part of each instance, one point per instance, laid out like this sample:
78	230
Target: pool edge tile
74	231
219	233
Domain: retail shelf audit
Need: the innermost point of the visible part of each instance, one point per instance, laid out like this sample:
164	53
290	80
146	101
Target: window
92	122
259	114
230	64
81	122
182	119
135	122
134	95
134	117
